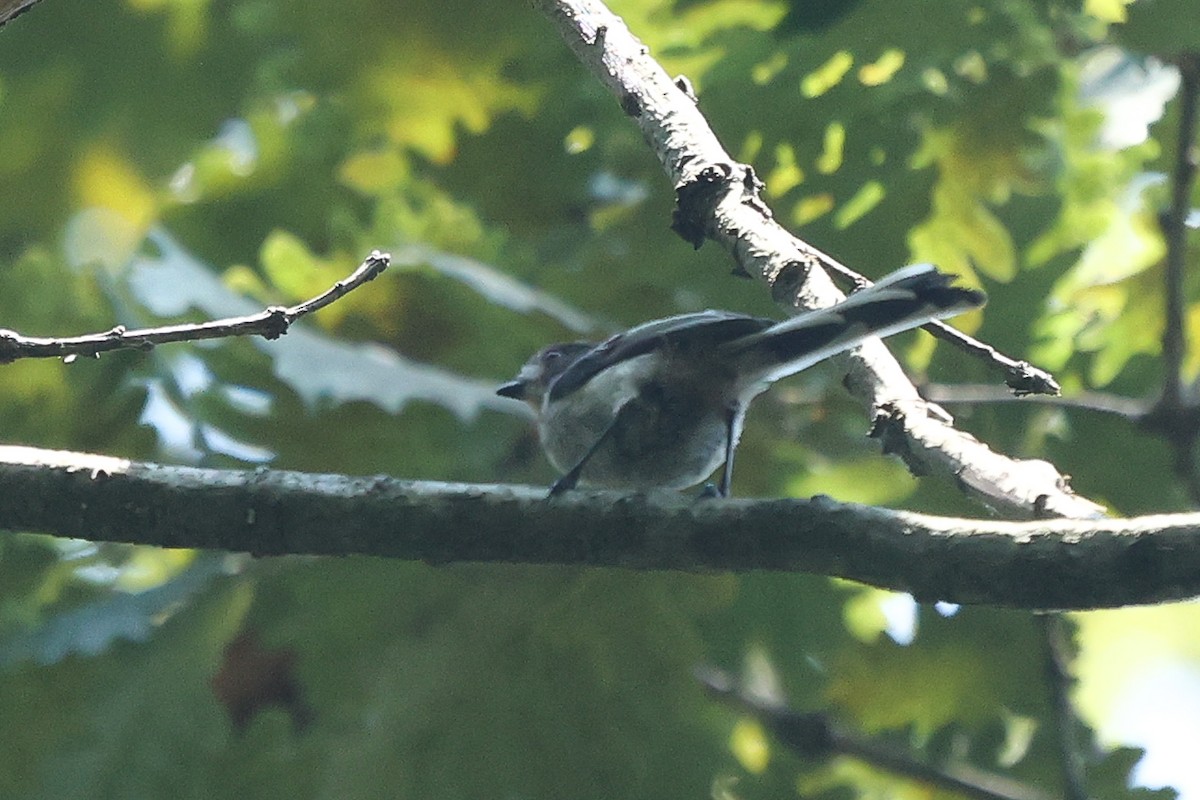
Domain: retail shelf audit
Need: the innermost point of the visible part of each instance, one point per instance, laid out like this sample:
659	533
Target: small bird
662	404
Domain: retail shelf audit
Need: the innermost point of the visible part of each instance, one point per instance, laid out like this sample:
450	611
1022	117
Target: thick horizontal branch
1048	564
270	323
719	199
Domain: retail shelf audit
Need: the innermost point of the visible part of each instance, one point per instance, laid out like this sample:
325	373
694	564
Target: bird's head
541	370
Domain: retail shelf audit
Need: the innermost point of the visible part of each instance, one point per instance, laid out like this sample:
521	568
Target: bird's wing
701	328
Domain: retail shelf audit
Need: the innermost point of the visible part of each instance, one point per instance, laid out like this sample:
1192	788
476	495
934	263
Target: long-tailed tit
662	404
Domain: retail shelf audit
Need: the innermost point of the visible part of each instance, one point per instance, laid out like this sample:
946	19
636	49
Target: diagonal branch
818	735
719	200
1047	564
1020	376
270	323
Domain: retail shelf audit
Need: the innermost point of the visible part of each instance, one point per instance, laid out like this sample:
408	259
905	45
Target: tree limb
1021	377
718	199
1048	564
271	323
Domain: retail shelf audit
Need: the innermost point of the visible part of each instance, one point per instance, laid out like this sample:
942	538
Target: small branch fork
720	200
696	198
1020	376
270	323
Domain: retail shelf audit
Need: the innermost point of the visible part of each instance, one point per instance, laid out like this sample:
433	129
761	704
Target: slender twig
1056	632
1174	343
816	735
271	323
1020	376
1129	408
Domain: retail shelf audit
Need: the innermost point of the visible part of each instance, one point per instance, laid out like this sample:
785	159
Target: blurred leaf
267	146
1164	28
91	742
496	287
91	629
318	368
253	678
938	680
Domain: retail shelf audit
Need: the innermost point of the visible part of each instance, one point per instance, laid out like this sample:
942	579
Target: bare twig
1046	564
1129	408
816	735
1020	376
271	323
718	199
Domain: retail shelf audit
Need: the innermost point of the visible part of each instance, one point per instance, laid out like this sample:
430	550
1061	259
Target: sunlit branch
1020	376
719	199
271	323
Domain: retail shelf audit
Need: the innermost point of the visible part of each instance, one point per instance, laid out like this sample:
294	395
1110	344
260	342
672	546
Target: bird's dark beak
513	389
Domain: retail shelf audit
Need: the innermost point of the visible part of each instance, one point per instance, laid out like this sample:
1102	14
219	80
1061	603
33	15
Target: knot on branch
10	345
786	281
888	426
631	104
695	197
276	321
1024	378
683	84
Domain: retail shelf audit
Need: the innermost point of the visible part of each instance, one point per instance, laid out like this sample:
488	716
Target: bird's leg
567	482
723	488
